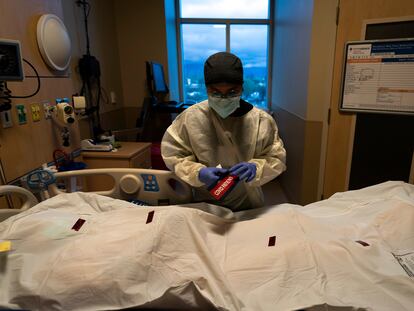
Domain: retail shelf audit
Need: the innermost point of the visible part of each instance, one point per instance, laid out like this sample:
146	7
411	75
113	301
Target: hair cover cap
223	67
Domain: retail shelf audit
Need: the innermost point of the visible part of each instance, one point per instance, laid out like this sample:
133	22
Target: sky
225	8
249	42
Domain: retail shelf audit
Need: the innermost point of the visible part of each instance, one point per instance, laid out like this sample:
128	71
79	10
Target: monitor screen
10	61
159	84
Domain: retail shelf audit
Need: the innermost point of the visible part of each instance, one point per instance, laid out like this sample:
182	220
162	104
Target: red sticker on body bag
78	224
365	244
150	217
272	241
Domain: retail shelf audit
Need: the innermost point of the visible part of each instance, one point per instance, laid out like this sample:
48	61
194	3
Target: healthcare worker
222	135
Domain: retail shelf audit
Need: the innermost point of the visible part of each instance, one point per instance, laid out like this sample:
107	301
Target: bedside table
129	155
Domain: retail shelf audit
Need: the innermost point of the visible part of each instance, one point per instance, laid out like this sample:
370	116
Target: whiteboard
378	77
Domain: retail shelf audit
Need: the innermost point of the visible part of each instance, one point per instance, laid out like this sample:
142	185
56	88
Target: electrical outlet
48	110
6	119
35	112
21	114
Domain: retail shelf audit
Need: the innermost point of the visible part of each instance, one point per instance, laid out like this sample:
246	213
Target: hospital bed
88	251
143	186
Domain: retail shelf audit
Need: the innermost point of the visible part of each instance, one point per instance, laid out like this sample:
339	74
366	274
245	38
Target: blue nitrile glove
245	170
210	175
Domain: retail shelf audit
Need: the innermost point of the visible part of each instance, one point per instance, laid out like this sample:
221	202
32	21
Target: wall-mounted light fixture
54	42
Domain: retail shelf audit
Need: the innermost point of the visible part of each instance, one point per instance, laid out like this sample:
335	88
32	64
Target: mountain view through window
203	33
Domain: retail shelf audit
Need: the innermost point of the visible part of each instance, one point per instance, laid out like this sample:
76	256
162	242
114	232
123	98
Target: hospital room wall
304	42
123	34
104	46
141	31
25	147
354	15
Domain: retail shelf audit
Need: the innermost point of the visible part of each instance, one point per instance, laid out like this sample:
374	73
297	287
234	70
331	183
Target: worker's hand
210	175
245	170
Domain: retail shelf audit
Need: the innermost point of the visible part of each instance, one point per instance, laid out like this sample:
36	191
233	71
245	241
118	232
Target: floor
273	193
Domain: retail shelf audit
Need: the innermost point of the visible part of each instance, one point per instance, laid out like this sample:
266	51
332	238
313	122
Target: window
241	27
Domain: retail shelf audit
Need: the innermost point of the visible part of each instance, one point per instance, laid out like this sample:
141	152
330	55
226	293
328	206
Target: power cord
90	73
6	105
86	10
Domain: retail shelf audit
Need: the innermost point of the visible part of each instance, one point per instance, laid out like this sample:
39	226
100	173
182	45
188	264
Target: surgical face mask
224	106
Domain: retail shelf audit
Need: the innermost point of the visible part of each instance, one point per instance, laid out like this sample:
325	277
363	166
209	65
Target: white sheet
186	257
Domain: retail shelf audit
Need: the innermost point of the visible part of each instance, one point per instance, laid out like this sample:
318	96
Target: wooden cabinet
129	155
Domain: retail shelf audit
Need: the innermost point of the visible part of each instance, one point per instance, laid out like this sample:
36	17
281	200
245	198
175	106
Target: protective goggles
228	95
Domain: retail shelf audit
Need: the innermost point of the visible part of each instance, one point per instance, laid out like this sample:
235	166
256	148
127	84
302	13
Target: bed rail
155	187
29	200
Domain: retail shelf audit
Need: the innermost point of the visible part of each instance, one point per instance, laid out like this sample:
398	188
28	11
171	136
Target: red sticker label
223	186
78	224
150	217
272	241
365	244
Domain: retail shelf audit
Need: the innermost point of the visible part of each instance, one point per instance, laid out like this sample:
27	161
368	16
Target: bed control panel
150	183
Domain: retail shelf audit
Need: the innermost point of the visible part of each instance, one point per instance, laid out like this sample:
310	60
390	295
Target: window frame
228	22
